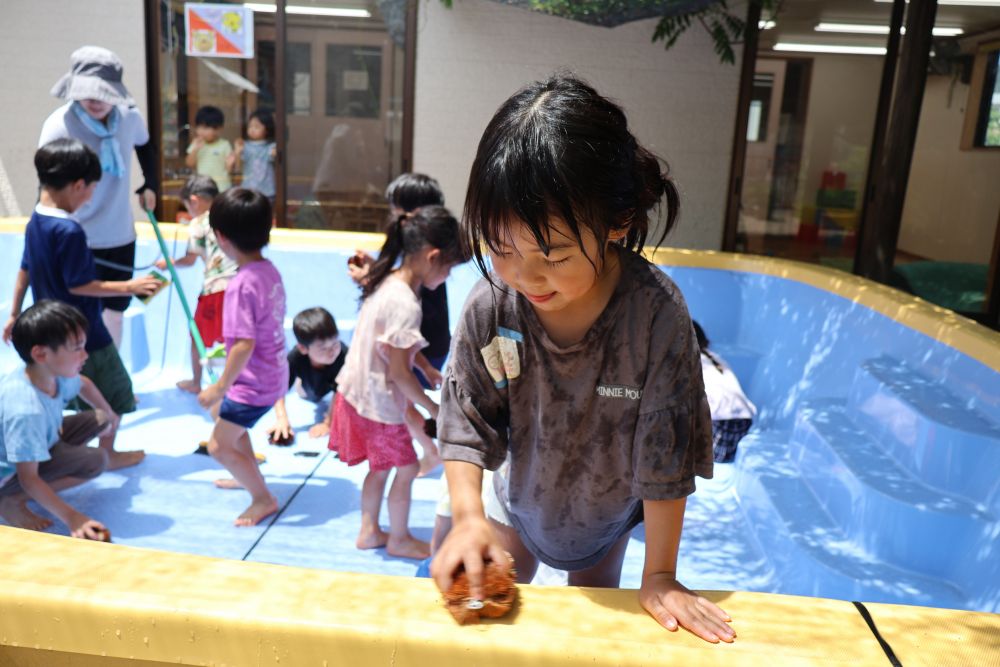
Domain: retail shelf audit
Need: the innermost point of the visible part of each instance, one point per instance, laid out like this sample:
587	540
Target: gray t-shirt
107	218
589	430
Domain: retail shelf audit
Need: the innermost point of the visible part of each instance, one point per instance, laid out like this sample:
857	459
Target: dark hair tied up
428	226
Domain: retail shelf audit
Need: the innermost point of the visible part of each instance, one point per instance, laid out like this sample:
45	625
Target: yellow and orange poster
218	31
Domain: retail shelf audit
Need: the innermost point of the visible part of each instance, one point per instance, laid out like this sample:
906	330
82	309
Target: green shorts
105	369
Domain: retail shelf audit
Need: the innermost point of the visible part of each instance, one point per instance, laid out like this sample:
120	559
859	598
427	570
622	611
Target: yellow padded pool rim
919	635
84	604
941	324
938	323
103	604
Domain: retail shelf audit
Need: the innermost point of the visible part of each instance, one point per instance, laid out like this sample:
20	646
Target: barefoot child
574	371
313	365
407	193
256	372
197	196
377	381
47	451
57	264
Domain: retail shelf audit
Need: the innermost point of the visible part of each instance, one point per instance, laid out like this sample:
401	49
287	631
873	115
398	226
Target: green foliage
676	17
725	29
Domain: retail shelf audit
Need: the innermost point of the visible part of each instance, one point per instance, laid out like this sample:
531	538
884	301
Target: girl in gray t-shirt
574	370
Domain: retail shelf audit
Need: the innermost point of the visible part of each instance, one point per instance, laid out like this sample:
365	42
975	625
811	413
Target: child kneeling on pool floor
313	365
41	451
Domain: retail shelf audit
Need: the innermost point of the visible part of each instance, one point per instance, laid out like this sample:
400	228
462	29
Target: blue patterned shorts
726	435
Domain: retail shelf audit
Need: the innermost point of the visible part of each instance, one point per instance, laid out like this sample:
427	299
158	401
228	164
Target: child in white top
732	412
377	381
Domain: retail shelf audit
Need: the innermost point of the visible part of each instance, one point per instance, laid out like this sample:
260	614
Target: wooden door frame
154	106
747	67
154	115
773	120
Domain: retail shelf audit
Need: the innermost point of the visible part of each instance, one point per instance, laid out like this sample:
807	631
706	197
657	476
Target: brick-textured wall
36	40
681	103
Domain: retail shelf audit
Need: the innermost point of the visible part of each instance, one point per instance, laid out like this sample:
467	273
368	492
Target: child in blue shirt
255	156
42	452
57	264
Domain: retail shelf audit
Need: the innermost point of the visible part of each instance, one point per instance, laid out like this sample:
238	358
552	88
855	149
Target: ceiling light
831	48
766	25
868	29
966	3
311	11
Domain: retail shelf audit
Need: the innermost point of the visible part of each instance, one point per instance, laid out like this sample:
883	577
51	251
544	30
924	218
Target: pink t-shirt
254	307
389	318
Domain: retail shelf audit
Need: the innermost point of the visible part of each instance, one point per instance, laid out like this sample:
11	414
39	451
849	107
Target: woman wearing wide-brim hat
100	112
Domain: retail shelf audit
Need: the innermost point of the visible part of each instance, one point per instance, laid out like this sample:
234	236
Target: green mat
955	285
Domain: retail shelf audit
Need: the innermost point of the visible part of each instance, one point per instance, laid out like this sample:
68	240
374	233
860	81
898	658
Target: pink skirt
357	439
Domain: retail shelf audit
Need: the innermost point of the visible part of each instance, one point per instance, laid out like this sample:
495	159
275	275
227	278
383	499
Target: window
353	81
298	77
760	106
988	124
981	130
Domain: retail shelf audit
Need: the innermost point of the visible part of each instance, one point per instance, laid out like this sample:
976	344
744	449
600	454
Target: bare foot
320	430
408	547
372	539
429	463
118	460
16	513
257	512
189	386
227	484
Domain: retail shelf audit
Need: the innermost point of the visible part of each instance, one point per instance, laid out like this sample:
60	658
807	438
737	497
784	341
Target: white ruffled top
389	318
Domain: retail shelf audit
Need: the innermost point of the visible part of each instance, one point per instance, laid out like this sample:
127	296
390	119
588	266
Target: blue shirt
57	258
30	419
258	172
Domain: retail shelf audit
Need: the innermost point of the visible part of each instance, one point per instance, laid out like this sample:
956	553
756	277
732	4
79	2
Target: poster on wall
218	31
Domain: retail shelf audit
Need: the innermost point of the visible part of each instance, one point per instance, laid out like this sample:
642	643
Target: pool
870	474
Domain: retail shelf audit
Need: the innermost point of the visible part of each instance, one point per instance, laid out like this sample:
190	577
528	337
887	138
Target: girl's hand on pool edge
672	605
471	543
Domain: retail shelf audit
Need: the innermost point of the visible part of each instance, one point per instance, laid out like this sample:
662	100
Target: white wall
840	119
36	40
952	198
680	103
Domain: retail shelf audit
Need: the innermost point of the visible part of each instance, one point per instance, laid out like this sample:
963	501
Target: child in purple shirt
256	372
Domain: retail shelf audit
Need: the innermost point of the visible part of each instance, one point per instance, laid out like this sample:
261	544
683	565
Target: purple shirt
254	308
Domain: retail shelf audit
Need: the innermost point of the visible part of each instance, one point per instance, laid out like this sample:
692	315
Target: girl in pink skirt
377	381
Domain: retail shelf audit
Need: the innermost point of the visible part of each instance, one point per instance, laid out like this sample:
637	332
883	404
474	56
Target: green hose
195	334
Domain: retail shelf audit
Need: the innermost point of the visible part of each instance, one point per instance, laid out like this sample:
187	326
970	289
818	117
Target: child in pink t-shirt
377	381
256	372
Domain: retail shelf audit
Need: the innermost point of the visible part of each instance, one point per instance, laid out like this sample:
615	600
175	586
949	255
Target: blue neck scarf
110	154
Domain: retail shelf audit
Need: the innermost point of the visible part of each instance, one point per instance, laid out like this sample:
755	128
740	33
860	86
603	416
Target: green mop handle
195	334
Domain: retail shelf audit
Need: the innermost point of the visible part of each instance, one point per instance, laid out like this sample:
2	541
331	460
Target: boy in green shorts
57	264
